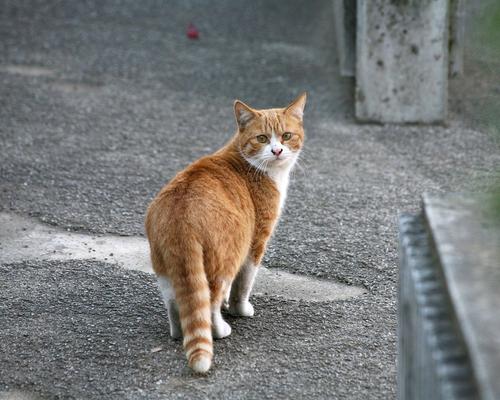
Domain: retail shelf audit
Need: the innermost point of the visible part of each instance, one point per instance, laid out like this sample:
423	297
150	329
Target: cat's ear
243	113
296	107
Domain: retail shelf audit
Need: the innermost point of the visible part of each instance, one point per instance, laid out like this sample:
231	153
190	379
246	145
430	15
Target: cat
209	226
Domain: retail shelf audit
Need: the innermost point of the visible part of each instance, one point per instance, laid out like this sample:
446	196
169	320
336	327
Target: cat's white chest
281	178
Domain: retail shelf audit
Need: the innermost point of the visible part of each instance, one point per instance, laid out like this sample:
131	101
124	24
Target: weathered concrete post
402	60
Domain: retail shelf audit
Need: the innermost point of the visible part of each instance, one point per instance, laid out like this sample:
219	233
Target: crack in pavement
23	238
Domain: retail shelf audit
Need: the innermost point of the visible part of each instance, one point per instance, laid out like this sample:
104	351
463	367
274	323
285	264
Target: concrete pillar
402	61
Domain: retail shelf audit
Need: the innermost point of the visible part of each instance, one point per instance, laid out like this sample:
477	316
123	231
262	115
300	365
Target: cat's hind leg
239	303
167	292
220	328
225	302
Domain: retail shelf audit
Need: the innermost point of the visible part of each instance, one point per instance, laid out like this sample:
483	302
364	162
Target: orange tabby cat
208	227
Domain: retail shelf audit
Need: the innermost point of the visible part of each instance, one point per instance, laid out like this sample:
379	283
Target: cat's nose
276	151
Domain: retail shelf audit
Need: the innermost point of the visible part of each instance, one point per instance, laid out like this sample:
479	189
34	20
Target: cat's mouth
280	160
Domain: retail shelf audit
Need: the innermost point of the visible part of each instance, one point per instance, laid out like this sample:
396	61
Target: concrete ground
102	102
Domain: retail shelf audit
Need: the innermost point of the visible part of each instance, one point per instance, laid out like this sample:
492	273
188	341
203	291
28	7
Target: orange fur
214	215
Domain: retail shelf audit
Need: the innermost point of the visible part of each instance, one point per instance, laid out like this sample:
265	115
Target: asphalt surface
102	102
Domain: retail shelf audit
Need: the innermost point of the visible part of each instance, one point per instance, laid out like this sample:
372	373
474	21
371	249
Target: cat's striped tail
193	299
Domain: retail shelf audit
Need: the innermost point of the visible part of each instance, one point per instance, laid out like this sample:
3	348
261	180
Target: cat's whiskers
259	169
266	165
303	158
302	162
251	168
299	165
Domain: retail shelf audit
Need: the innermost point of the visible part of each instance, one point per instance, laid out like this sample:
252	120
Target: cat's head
270	138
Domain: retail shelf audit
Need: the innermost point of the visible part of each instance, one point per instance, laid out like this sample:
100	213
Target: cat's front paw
242	309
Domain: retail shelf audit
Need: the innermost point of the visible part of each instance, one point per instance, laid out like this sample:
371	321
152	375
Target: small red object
192	32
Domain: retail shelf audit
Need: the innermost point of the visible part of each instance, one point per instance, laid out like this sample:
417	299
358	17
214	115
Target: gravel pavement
102	102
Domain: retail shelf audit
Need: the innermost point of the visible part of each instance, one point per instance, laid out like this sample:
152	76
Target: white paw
242	309
221	329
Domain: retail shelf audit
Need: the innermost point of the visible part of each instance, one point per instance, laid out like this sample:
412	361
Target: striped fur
217	215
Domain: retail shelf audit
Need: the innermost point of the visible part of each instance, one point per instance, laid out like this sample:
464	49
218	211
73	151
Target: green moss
490	25
486	42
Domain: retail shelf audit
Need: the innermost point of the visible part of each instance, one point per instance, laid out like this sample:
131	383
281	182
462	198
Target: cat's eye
287	136
262	139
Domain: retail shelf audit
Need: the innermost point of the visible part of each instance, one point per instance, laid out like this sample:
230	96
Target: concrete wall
448	322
